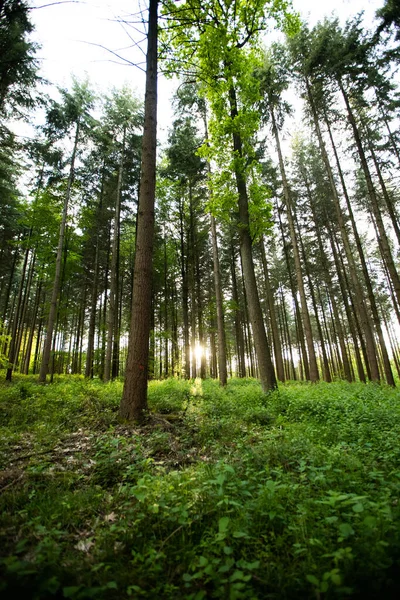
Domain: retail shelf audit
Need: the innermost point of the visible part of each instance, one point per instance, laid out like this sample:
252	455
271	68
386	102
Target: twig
170	536
11	483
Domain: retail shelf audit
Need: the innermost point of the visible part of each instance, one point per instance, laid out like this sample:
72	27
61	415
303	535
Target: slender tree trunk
238	318
44	367
314	375
351	316
301	336
134	400
389	203
367	279
185	294
12	355
35	311
272	315
382	238
359	296
266	368
222	370
113	299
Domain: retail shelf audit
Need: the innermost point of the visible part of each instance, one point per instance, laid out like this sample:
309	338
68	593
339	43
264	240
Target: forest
199	338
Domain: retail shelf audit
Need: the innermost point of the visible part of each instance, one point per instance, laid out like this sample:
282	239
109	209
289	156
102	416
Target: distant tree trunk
200	318
35	311
185	293
389	203
134	400
359	296
301	336
193	299
383	239
9	286
222	370
272	315
112	318
314	375
367	279
24	308
328	280
291	371
44	367
12	355
166	302
351	317
238	319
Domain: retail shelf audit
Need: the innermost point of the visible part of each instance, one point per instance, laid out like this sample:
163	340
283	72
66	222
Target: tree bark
44	367
314	375
134	399
222	371
359	295
265	366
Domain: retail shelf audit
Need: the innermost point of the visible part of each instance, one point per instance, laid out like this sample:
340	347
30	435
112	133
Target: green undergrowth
221	493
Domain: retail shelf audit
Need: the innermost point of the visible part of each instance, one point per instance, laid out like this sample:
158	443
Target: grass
222	493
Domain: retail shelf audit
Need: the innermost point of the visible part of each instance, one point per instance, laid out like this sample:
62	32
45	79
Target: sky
78	37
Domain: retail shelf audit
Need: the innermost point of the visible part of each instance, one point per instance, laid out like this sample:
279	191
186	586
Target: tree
73	113
217	43
134	399
18	64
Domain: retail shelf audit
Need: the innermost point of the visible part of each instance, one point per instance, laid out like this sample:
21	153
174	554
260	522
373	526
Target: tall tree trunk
222	370
266	368
134	400
359	295
35	311
44	367
238	319
314	375
328	280
272	315
301	336
185	293
113	297
12	355
382	238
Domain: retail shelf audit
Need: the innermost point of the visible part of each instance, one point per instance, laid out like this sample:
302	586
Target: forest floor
222	493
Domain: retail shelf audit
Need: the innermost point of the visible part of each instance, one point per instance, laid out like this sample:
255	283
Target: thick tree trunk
134	400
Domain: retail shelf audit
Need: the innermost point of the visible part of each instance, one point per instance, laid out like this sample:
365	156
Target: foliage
220	494
18	64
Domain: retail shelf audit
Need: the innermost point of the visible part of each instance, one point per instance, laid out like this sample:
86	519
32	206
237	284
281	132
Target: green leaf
223	524
312	579
370	521
70	591
346	530
239	534
357	508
